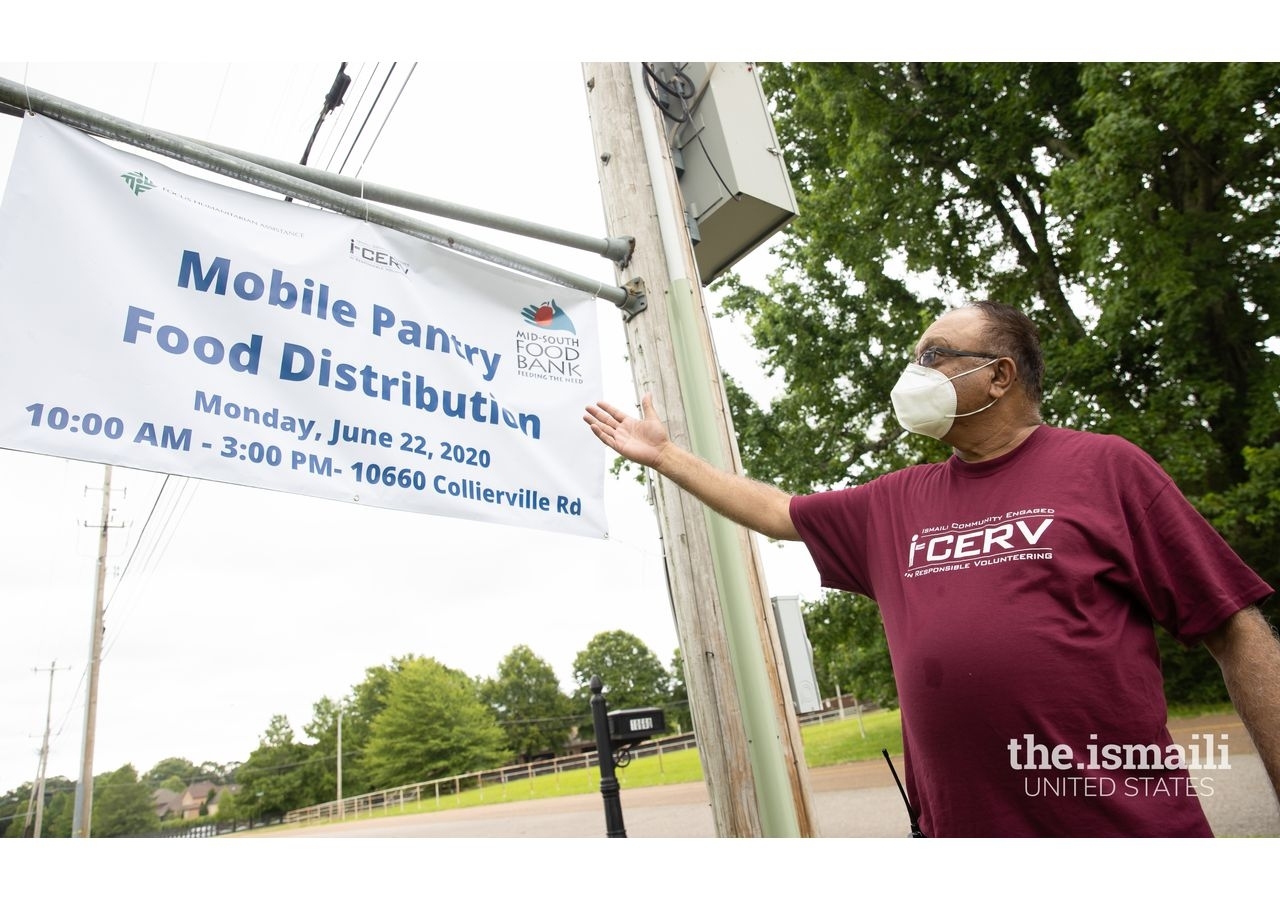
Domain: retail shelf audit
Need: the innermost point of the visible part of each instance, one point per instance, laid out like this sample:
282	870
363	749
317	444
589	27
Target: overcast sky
227	604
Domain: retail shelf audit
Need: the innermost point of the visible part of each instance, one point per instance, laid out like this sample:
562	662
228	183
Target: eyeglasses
930	355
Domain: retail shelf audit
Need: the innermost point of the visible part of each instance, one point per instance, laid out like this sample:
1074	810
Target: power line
367	116
351	118
386	118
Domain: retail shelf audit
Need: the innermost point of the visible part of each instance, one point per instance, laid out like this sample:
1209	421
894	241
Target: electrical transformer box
733	179
798	654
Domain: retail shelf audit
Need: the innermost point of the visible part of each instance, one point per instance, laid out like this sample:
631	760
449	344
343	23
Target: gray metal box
735	186
798	653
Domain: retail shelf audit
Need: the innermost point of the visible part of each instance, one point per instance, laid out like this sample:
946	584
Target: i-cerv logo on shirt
1017	535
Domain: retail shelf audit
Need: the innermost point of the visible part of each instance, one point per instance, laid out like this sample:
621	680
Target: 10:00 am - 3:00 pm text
97	425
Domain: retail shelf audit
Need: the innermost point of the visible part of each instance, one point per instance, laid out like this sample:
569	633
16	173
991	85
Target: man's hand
753	504
639	440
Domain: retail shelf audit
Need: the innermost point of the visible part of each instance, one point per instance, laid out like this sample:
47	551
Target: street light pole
341	811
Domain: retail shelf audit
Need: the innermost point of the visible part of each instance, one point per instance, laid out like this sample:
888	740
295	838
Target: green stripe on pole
768	763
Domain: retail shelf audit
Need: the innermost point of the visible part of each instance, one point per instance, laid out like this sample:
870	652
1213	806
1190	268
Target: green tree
58	794
272	781
171	783
13	810
321	771
1174	209
122	805
849	647
360	708
174	769
632	675
432	724
1129	209
526	698
60	809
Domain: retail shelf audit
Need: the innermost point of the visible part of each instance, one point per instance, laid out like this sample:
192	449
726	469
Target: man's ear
1004	374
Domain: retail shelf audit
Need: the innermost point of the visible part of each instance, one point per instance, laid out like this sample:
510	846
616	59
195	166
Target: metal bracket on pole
619	249
635	301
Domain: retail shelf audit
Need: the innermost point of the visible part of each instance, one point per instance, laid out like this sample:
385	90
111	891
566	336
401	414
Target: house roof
200	790
166	801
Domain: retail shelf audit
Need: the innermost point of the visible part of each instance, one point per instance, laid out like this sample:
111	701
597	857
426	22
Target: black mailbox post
615	733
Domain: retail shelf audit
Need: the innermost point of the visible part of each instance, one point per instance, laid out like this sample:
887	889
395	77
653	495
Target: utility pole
748	736
83	815
38	794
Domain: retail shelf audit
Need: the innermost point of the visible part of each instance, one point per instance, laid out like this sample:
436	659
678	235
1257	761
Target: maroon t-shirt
1018	596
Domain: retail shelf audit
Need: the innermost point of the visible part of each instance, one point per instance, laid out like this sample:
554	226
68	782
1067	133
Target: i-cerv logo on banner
547	346
376	257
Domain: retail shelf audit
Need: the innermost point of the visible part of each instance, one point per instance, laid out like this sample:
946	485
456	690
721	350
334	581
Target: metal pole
15	97
604	750
341	811
82	818
615	249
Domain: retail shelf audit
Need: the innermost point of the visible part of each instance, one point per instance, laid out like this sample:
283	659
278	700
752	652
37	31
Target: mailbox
630	726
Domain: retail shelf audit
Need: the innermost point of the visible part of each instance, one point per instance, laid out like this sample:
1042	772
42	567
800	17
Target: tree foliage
633	677
1129	209
272	780
176	769
526	698
360	708
122	805
850	652
432	724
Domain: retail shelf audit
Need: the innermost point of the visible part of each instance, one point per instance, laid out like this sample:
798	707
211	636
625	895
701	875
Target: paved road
853	800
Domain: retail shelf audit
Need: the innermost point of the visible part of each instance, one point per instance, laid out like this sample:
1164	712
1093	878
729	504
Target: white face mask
925	400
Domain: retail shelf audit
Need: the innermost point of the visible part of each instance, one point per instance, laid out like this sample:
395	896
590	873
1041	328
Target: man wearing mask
1018	582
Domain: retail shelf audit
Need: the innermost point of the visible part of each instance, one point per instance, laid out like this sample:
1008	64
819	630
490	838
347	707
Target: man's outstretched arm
752	504
1247	650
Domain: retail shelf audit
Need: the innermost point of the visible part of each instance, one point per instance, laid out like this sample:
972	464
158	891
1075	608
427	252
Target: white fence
449	789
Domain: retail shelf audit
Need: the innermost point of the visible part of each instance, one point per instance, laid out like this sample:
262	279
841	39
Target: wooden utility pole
37	796
83	814
748	736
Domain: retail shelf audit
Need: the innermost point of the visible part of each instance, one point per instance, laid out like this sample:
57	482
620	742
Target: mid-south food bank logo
547	345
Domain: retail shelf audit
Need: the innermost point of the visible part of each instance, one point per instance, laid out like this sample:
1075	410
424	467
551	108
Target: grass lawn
825	744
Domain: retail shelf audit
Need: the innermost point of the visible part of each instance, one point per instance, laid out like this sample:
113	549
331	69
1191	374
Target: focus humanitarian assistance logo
549	350
137	182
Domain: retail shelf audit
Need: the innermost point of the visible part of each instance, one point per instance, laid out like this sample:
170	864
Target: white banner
161	322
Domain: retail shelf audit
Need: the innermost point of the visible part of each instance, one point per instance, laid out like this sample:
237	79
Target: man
1018	583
